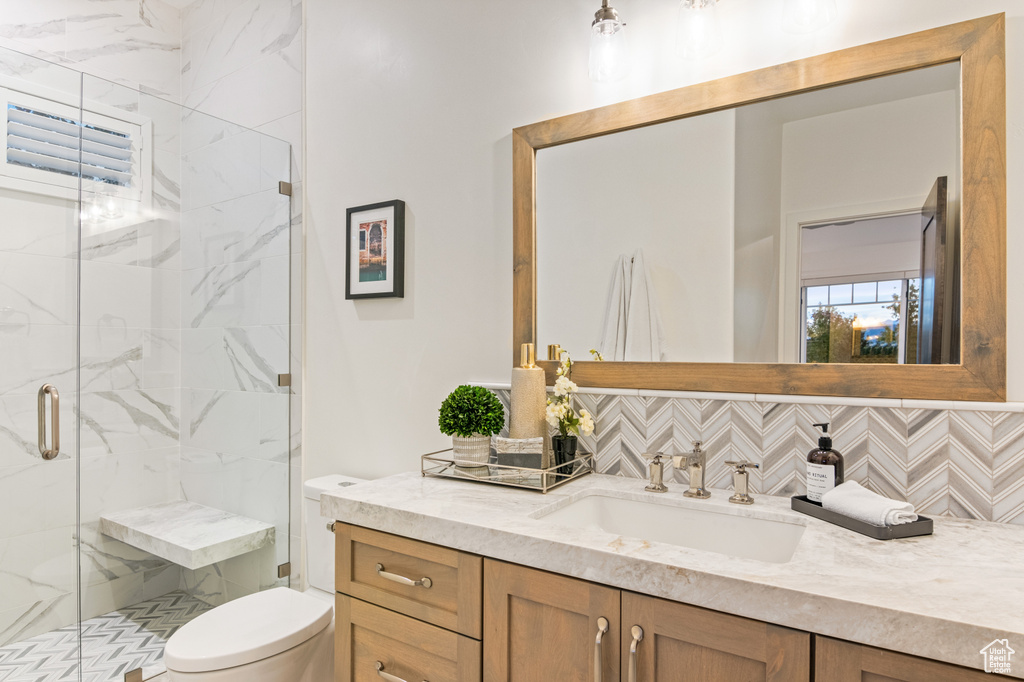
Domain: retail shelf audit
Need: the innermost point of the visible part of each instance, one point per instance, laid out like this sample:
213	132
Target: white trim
596	390
909	404
961	405
492	387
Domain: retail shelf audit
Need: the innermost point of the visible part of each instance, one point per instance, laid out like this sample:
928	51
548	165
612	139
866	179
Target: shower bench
186	533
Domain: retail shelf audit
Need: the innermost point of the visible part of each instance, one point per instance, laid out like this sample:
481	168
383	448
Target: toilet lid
249	629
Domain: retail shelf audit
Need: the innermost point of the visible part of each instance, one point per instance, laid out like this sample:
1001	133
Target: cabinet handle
638	634
388	676
602	627
51	452
401	579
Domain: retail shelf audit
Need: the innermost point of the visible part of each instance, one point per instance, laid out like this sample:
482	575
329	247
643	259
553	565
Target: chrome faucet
696	464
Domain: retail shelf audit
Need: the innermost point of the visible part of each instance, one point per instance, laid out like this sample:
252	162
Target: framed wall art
375	251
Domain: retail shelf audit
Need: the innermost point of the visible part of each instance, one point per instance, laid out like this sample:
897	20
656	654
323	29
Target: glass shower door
145	280
39	310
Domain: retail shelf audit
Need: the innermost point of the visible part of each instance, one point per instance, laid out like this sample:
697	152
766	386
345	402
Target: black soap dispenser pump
825	467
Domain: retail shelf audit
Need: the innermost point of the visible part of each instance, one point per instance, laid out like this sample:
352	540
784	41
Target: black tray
923	525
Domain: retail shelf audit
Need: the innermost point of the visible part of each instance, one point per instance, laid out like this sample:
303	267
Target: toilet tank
319	540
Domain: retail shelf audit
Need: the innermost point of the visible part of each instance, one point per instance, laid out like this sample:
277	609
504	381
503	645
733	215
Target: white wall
418	104
756	261
642	189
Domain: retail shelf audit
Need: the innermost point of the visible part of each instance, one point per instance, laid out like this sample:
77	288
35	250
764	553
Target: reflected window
861	322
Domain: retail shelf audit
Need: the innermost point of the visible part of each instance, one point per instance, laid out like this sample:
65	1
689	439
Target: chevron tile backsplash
961	463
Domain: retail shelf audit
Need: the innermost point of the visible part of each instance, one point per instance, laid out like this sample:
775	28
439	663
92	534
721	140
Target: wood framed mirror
976	368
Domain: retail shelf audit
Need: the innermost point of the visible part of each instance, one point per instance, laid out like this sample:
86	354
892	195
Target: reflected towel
632	324
643	322
613	333
854	500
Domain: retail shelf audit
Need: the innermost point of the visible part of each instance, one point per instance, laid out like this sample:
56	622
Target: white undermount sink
710	530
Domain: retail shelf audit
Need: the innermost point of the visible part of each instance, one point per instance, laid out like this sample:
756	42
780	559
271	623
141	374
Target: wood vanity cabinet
838	661
483	619
542	626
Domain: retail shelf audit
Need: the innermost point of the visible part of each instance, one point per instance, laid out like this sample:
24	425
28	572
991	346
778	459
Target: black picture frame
375	264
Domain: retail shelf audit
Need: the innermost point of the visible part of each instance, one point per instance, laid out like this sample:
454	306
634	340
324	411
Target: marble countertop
943	596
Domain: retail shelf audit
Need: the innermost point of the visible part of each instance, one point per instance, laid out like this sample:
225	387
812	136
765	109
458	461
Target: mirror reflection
819	227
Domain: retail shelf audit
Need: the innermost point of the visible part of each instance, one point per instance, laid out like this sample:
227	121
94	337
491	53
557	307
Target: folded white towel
854	500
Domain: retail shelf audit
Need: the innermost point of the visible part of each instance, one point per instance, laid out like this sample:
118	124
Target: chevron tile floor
112	644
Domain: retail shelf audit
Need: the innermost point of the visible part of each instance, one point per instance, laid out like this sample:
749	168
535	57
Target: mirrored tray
441	465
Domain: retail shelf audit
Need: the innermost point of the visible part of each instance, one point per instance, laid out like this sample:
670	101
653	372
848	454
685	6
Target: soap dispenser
825	467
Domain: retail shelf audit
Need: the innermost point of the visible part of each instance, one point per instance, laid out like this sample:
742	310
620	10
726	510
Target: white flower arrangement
559	412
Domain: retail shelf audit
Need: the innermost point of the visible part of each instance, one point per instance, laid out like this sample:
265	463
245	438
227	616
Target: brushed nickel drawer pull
638	634
54	450
422	582
602	627
388	676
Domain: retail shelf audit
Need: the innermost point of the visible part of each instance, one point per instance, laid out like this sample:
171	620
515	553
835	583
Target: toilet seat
246	630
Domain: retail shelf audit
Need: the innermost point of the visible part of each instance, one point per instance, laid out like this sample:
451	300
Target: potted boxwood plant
471	415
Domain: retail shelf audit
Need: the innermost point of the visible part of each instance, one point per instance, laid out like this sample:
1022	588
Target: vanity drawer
366	635
454	598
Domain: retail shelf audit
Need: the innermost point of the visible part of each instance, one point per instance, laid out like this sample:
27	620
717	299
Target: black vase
564	449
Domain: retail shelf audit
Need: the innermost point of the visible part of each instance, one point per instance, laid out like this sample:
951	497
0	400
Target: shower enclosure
144	356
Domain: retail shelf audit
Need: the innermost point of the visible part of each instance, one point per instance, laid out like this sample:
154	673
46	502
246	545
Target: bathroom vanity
521	587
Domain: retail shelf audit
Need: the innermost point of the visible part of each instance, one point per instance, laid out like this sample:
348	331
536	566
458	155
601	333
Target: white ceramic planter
473	451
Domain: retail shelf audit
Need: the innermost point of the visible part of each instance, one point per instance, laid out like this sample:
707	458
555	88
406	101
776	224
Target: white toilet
278	635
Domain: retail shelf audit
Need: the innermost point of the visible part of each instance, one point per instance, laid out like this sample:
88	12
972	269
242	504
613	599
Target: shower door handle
52	452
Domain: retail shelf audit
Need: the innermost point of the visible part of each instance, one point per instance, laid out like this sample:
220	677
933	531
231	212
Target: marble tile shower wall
965	463
150	416
235	325
242	61
134	42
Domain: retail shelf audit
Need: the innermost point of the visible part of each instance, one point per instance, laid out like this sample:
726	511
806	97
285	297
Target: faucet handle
743	466
741	482
657	472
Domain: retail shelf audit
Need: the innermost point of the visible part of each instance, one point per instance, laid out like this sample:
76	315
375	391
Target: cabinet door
683	642
839	661
543	626
369	639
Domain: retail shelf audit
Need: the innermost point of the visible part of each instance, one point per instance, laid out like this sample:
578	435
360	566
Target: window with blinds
54	141
48	142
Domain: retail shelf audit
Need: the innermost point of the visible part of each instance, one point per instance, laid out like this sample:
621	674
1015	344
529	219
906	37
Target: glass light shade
697	31
804	16
609	53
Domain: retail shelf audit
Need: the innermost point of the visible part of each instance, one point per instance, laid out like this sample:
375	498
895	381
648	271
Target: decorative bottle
825	467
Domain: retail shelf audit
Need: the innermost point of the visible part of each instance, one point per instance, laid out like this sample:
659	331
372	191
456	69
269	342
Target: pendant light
609	55
805	16
697	32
